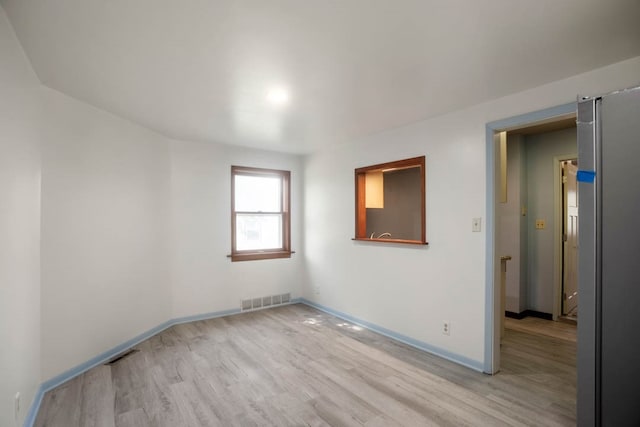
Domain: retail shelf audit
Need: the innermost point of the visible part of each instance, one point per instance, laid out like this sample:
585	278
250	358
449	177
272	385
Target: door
570	237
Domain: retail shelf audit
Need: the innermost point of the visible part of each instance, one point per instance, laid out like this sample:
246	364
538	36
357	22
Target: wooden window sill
253	256
402	241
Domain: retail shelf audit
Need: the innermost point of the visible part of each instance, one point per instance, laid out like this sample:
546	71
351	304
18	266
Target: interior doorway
536	219
544	227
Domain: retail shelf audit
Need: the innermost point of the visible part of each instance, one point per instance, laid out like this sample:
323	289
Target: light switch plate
476	225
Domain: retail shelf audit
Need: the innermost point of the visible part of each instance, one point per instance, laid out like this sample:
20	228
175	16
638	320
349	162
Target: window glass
255	232
258	193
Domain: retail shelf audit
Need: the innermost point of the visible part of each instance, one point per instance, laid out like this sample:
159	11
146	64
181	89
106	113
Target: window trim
285	250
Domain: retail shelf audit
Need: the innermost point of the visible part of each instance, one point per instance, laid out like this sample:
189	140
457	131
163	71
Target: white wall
541	150
19	228
411	290
204	279
105	227
407	289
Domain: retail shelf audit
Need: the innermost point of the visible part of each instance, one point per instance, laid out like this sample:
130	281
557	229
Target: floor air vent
264	302
121	356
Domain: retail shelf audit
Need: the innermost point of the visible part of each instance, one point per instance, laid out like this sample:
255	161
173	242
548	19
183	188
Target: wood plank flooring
534	325
296	366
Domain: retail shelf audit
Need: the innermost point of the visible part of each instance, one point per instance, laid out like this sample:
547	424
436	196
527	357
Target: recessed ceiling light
278	96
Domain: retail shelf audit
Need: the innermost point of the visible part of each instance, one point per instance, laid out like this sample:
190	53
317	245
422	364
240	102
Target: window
260	214
390	202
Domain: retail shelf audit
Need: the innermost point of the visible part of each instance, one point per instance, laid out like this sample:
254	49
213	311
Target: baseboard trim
30	419
528	313
420	345
514	315
539	314
109	354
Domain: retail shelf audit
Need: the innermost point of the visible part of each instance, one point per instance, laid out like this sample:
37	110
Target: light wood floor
294	365
534	325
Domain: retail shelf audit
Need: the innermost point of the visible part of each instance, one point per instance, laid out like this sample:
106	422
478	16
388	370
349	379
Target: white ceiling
199	69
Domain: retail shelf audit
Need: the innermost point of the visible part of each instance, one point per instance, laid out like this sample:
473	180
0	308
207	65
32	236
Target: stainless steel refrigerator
609	259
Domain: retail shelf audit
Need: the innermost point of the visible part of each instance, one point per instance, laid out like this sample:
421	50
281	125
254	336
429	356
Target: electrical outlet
316	290
16	407
540	224
446	328
476	225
